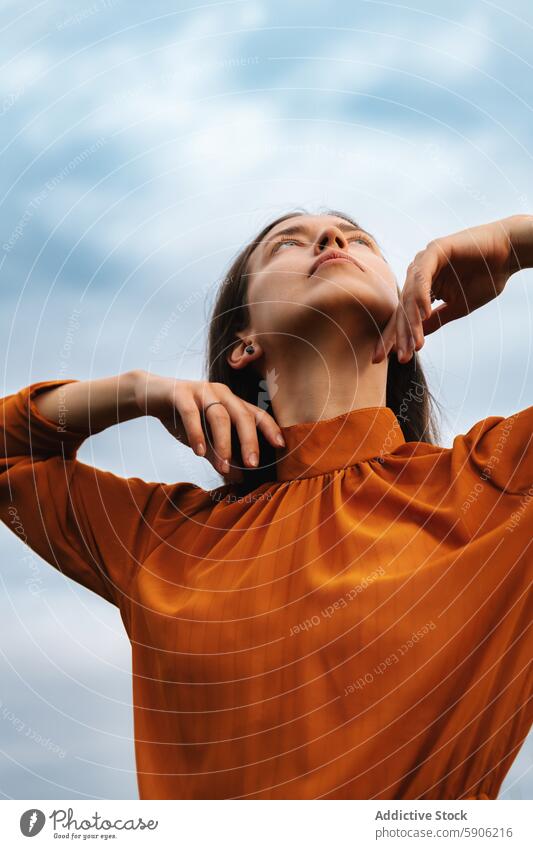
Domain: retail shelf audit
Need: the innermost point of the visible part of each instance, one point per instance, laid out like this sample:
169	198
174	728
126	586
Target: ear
239	357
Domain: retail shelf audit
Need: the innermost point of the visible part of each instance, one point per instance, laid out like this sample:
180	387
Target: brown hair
407	392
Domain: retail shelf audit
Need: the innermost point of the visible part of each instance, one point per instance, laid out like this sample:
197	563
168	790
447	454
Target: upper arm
493	467
499	451
92	525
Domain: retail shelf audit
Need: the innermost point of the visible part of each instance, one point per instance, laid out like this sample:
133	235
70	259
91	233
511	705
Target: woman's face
287	292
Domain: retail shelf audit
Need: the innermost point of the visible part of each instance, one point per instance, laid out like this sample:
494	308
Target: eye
284	242
361	238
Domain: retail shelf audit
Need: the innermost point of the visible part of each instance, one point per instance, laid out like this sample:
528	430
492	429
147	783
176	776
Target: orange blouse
358	628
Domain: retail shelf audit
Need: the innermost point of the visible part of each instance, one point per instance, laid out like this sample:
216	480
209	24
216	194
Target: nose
331	237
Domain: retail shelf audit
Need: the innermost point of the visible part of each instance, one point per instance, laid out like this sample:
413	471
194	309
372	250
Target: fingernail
400	353
280	440
200	449
252	458
225	465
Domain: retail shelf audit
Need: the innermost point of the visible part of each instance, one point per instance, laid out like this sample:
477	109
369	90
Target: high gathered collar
314	448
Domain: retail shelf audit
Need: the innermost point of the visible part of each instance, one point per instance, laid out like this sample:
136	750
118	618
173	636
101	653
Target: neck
308	383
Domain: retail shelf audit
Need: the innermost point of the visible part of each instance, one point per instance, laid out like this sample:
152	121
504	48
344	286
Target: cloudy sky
141	146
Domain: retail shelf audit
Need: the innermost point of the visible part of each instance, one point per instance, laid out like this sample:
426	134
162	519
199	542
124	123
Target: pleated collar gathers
315	448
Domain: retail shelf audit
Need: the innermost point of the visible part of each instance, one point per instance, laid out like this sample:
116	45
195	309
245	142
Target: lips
333	255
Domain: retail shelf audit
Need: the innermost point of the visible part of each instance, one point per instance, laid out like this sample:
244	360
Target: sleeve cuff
44	434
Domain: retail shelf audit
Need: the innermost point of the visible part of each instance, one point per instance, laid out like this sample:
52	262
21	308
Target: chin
352	299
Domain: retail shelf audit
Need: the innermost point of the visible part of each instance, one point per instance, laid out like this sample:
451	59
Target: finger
218	419
392	341
191	423
403	334
416	293
442	315
425	269
247	418
268	425
233	475
386	340
415	322
244	421
414	334
190	416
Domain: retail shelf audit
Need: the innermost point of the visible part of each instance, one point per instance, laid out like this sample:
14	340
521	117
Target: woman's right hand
180	405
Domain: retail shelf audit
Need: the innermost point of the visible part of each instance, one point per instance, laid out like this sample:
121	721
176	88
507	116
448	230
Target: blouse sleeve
491	581
494	462
94	526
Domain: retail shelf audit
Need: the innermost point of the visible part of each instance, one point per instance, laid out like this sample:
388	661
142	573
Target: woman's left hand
465	270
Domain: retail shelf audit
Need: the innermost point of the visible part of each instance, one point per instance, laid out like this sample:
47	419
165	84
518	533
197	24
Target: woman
347	615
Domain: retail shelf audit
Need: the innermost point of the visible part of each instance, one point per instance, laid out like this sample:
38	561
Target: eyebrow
302	228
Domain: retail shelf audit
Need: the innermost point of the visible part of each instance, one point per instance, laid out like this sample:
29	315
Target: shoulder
184	497
499	449
517	423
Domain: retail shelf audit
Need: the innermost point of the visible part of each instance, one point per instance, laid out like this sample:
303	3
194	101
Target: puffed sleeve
94	526
491	579
494	463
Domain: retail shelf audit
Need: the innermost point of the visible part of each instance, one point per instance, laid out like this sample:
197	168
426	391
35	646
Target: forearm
521	236
92	405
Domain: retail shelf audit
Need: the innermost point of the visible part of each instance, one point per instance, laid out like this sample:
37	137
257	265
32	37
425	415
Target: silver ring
211	404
